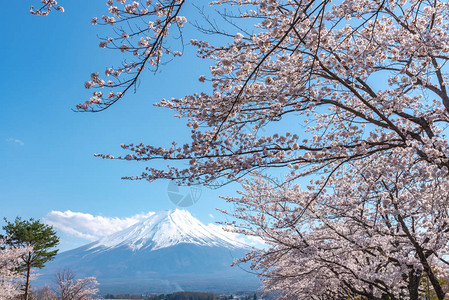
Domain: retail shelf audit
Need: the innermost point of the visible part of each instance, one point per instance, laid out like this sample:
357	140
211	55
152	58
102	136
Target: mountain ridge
165	229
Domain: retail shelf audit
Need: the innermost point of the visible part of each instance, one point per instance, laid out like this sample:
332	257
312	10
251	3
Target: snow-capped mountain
166	252
167	229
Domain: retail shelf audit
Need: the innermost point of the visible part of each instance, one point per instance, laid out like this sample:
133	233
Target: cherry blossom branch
147	51
46	8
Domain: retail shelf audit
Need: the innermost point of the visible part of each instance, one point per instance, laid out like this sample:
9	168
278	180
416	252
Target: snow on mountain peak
166	229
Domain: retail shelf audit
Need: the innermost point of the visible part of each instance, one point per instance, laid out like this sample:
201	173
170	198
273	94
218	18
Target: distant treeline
180	296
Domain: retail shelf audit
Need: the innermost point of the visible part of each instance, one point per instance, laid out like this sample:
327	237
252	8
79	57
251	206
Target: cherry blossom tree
352	97
375	232
44	293
69	288
10	278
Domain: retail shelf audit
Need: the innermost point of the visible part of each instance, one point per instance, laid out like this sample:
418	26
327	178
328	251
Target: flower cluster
46	7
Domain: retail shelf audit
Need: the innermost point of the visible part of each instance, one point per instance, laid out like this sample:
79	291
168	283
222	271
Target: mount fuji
166	252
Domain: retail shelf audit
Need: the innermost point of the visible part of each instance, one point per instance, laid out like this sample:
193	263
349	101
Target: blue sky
46	149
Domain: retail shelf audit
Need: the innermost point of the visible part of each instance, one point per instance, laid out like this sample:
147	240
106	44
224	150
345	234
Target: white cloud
212	216
88	226
15	141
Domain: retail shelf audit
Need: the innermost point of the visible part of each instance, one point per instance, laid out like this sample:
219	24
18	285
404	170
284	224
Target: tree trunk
413	285
423	259
27	283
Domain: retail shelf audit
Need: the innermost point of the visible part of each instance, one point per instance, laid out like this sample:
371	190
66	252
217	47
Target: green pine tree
33	233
